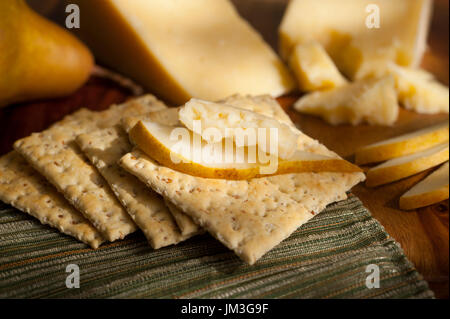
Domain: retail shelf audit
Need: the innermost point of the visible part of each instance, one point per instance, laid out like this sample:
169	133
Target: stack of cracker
83	177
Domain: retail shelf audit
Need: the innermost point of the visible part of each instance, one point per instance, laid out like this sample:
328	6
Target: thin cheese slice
431	190
405	166
262	104
350	32
181	48
244	127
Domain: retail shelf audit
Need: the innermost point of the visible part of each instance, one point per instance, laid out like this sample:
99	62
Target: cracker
56	156
249	217
184	222
148	210
168	116
25	189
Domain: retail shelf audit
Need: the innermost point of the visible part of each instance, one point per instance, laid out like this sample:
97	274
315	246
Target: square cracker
25	189
168	116
148	210
249	217
184	222
56	156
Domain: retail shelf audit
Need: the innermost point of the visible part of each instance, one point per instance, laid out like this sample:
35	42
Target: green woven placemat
326	258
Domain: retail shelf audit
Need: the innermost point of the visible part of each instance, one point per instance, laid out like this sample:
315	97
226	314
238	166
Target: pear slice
314	68
194	156
370	100
401	167
403	145
431	190
239	125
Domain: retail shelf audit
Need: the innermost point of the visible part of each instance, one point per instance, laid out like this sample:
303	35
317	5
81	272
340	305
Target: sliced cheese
244	127
180	49
419	91
401	167
314	69
262	104
403	145
185	151
371	100
431	190
349	32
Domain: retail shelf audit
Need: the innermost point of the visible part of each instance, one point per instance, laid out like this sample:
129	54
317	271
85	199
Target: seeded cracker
104	148
56	156
250	217
184	222
25	189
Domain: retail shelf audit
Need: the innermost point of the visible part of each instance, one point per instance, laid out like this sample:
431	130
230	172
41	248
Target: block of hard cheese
180	49
350	32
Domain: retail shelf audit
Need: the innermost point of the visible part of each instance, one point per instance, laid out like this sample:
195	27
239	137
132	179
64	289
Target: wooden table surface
423	234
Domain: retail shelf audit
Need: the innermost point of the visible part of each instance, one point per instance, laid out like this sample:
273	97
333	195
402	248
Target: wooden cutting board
423	234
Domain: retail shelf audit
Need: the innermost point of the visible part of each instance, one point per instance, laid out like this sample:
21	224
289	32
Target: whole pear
38	59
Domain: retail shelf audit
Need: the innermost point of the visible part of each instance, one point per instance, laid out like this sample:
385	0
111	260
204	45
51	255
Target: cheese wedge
431	190
180	49
245	128
314	69
403	145
371	100
349	31
194	156
419	91
401	167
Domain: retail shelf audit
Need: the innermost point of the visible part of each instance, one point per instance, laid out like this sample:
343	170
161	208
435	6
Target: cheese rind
433	189
314	69
371	100
183	49
340	26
